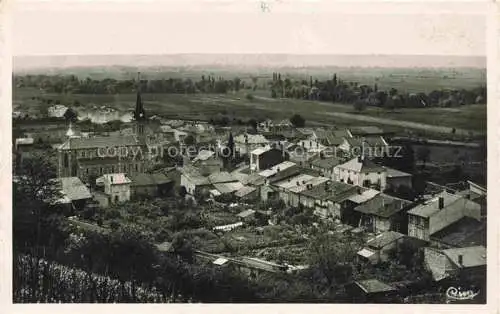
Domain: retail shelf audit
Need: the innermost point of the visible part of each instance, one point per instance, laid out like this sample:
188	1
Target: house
312	146
467	261
301	155
245	143
361	171
369	147
378	248
382	213
477	194
395	179
265	157
326	198
289	189
462	233
438	213
325	165
117	187
150	185
207	162
247	193
372	291
74	192
192	180
247	215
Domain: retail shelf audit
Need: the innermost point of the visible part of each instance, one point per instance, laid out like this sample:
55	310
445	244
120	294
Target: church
89	158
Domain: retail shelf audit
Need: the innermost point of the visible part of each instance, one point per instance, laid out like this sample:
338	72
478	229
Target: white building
117	187
361	172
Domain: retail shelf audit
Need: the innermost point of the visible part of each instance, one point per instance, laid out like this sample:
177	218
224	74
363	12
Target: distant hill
24	64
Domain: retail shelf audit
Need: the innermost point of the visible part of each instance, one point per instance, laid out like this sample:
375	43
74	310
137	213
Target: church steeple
139	113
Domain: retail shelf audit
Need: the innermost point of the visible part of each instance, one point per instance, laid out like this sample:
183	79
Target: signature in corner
459	294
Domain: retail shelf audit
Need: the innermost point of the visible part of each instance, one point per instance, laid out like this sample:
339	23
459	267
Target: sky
168	27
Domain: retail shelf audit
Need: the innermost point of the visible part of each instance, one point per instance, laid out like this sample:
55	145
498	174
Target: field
205	106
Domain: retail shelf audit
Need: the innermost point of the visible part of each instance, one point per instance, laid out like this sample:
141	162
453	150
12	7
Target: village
253	197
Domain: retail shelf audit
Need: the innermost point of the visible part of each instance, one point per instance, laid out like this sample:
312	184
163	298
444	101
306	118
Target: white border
279	7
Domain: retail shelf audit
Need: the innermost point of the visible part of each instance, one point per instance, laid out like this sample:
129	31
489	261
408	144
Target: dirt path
399	123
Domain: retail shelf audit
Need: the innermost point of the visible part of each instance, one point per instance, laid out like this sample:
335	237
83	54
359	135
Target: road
399	123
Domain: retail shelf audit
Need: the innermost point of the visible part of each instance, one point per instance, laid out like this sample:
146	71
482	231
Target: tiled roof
220	177
464	232
245	191
361	165
274	169
326	163
382	205
364	195
144	179
431	207
260	150
228	187
74	189
329	190
384	239
252	139
393	173
472	256
116	178
100	142
246	213
374	286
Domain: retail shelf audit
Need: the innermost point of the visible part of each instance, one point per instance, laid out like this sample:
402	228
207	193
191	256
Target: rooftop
465	232
431	207
221	177
394	173
294	181
326	163
384	239
116	178
374	286
274	169
472	256
245	190
329	190
142	179
228	187
74	189
359	164
100	142
363	195
246	213
252	139
382	205
260	150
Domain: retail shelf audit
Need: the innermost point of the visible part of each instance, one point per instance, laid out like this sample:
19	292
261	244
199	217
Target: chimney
441	202
460	260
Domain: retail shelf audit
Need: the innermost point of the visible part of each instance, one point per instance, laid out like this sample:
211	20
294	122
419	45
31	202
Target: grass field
204	106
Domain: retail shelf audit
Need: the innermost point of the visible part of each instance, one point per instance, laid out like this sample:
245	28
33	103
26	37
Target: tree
70	115
189	140
253	124
298	121
359	105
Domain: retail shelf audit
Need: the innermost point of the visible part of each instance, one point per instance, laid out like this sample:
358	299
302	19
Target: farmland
236	105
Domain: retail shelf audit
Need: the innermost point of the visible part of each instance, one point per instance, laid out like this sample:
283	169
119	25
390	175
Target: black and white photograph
266	152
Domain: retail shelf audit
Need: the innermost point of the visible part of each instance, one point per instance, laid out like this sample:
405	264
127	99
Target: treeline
72	84
338	90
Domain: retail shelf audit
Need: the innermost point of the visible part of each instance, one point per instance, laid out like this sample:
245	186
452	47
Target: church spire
139	113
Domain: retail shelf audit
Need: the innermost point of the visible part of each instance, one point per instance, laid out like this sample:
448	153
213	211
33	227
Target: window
112	169
82	154
100	170
136	167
